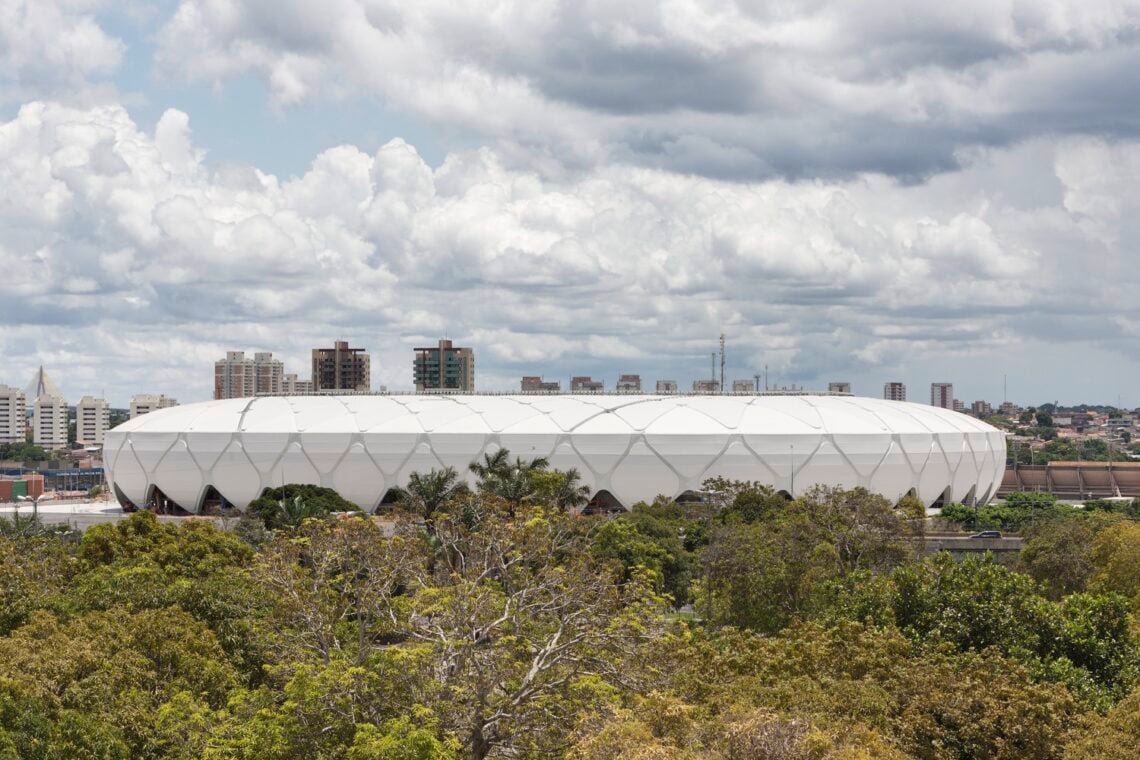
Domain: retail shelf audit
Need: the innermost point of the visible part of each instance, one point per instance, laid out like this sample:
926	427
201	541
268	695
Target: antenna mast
722	362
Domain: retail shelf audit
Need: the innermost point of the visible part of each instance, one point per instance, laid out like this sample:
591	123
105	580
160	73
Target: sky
860	192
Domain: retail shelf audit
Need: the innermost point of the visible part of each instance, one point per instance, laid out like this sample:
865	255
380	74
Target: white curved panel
736	463
825	465
294	467
636	447
130	478
235	478
640	472
894	476
422	460
179	477
687	439
357	479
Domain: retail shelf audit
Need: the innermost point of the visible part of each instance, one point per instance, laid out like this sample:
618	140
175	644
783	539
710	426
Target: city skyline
593	191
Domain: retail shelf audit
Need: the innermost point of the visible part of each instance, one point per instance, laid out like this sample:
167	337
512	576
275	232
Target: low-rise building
981	409
666	387
706	386
292	386
629	384
535	384
743	386
145	403
585	384
839	387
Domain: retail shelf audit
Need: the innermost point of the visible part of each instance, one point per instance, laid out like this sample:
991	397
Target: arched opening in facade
970	499
391	499
160	503
214	503
911	494
692	497
785	495
603	502
126	504
942	500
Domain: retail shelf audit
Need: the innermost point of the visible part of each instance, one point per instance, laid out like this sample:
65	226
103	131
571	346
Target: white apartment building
144	403
894	391
238	377
942	395
92	419
49	423
13	414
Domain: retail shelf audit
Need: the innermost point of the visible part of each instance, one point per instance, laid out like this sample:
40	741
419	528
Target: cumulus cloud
134	263
737	90
53	47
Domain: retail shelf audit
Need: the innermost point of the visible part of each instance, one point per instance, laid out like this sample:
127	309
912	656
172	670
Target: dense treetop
498	622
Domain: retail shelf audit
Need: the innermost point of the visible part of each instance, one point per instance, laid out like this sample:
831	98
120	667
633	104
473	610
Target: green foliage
513	628
651	539
1015	513
289	505
22	452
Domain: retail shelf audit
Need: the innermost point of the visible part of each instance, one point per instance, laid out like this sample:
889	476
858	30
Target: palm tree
427	494
571	492
492	465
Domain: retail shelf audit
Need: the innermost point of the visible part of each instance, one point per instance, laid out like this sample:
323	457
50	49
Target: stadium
628	448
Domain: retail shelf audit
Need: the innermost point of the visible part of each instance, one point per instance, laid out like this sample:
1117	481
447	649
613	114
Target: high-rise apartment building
629	384
585	384
92	419
341	368
839	387
144	403
942	395
958	405
49	423
13	415
535	384
894	391
291	386
706	386
268	374
234	376
666	387
239	377
743	386
445	367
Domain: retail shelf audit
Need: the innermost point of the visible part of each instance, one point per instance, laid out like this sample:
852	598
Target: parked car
987	534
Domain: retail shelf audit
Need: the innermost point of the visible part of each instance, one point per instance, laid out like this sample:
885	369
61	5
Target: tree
1116	560
426	494
561	489
1058	552
288	505
528	630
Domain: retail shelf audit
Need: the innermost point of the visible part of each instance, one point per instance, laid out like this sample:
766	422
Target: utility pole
712	366
765	377
722	362
756	378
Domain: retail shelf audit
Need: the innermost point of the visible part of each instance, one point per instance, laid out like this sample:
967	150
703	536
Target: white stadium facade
628	447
